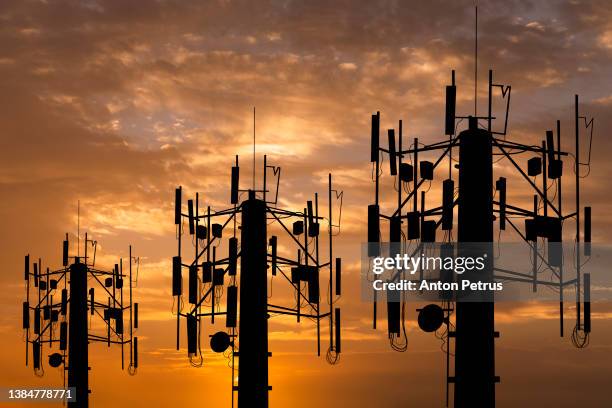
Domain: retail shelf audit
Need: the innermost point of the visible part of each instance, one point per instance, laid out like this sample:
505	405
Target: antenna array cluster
232	264
480	205
59	312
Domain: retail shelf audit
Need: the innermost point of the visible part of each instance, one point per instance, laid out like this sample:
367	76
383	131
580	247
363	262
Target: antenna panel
449	116
176	276
375	138
392	153
232	306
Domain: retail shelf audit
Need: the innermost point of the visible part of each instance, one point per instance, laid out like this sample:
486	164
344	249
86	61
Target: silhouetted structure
474	366
261	260
71	315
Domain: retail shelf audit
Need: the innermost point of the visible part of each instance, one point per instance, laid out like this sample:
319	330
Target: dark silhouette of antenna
64	325
477	211
213	276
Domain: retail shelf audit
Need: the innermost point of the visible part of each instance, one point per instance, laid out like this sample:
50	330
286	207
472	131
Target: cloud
115	104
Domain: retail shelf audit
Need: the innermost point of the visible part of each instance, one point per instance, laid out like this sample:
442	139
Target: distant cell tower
478	211
56	314
251	261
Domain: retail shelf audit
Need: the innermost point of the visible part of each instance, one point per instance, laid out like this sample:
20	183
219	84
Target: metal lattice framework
237	271
478	211
59	312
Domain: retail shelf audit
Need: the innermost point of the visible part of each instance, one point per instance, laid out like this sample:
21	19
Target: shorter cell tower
59	312
213	275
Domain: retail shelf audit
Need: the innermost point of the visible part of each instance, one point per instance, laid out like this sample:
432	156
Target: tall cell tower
233	262
59	312
480	206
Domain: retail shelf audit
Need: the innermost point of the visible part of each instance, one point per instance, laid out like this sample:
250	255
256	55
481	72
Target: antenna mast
476	59
254	148
479	215
240	267
70	283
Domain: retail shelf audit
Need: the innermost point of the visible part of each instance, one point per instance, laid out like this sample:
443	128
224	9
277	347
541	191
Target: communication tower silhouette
242	269
413	221
64	324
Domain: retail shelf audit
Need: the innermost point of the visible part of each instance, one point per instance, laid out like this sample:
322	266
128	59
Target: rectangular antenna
375	137
392	153
92	300
36	346
135	352
135	315
448	192
553	231
338	276
63	335
500	186
273	243
451	98
193	283
587	231
428	231
206	272
232	306
587	302
191	219
414	227
218	276
393	317
192	334
176	276
313	285
234	185
338	342
177	206
119	322
233	256
373	230
26	268
37	320
64	304
313	227
26	315
65	253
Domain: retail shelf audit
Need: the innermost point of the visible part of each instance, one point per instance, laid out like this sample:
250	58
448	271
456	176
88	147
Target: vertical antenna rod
576	121
253	148
476	61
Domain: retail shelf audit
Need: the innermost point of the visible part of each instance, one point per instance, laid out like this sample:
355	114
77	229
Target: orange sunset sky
115	103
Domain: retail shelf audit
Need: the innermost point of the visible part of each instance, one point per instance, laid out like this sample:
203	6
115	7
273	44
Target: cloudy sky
115	103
